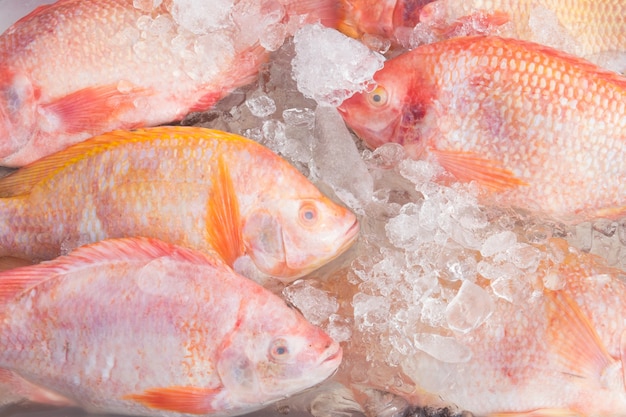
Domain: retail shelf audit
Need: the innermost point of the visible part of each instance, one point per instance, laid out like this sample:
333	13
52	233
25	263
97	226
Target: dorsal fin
24	179
18	280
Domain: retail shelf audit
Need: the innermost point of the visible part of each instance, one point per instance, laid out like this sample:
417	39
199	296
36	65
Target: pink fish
78	68
543	129
559	351
138	326
204	189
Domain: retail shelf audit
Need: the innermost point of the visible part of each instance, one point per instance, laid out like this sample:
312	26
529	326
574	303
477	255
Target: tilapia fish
559	352
200	188
138	326
78	68
543	129
592	29
595	30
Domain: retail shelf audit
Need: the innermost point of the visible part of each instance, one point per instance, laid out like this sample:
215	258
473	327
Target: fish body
127	67
161	330
584	28
559	353
544	129
200	188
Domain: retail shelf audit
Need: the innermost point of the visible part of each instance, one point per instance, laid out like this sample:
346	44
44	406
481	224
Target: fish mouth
352	232
334	356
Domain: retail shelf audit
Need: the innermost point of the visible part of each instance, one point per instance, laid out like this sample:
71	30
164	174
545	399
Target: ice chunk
146	5
201	16
514	290
297	117
371	313
386	156
314	304
470	308
261	106
443	348
338	161
330	67
497	243
546	29
339	328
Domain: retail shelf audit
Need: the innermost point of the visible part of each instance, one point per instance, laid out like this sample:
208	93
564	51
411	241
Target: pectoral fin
223	220
467	166
574	340
189	400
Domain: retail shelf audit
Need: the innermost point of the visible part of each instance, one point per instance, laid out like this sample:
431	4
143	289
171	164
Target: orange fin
467	166
190	400
21	182
15	281
573	338
90	109
223	220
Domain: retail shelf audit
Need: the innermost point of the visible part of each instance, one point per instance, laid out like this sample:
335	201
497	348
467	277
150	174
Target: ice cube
299	117
338	160
261	106
371	313
498	242
444	348
514	290
330	67
339	328
314	304
201	16
470	308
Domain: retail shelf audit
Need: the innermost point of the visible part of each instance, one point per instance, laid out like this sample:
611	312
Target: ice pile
330	67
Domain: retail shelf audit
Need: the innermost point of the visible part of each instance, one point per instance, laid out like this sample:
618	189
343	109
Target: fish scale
161	330
204	189
541	128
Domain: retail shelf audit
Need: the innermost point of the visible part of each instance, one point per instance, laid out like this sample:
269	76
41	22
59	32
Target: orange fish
544	129
125	67
200	188
559	351
138	326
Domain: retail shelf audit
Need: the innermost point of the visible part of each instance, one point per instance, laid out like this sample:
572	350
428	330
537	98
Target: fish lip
337	354
353	230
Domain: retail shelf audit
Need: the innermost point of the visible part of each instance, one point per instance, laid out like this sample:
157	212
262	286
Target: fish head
394	109
18	105
290	237
271	359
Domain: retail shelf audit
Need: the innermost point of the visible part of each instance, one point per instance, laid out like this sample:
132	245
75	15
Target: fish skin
185	326
200	188
118	72
591	27
562	355
543	129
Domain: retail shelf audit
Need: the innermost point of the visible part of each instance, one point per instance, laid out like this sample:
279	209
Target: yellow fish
200	188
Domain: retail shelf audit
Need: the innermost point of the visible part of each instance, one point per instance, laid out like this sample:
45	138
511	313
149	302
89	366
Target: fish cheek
237	373
263	237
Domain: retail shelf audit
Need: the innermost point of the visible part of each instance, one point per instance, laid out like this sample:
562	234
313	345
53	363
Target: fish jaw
287	245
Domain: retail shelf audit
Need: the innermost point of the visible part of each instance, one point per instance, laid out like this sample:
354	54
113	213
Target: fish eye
308	214
279	350
377	97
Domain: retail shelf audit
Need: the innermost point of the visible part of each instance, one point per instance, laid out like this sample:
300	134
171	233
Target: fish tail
326	12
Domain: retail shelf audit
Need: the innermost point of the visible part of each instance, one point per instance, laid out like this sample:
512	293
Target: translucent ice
200	16
498	242
470	308
330	67
443	348
261	106
315	304
338	160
